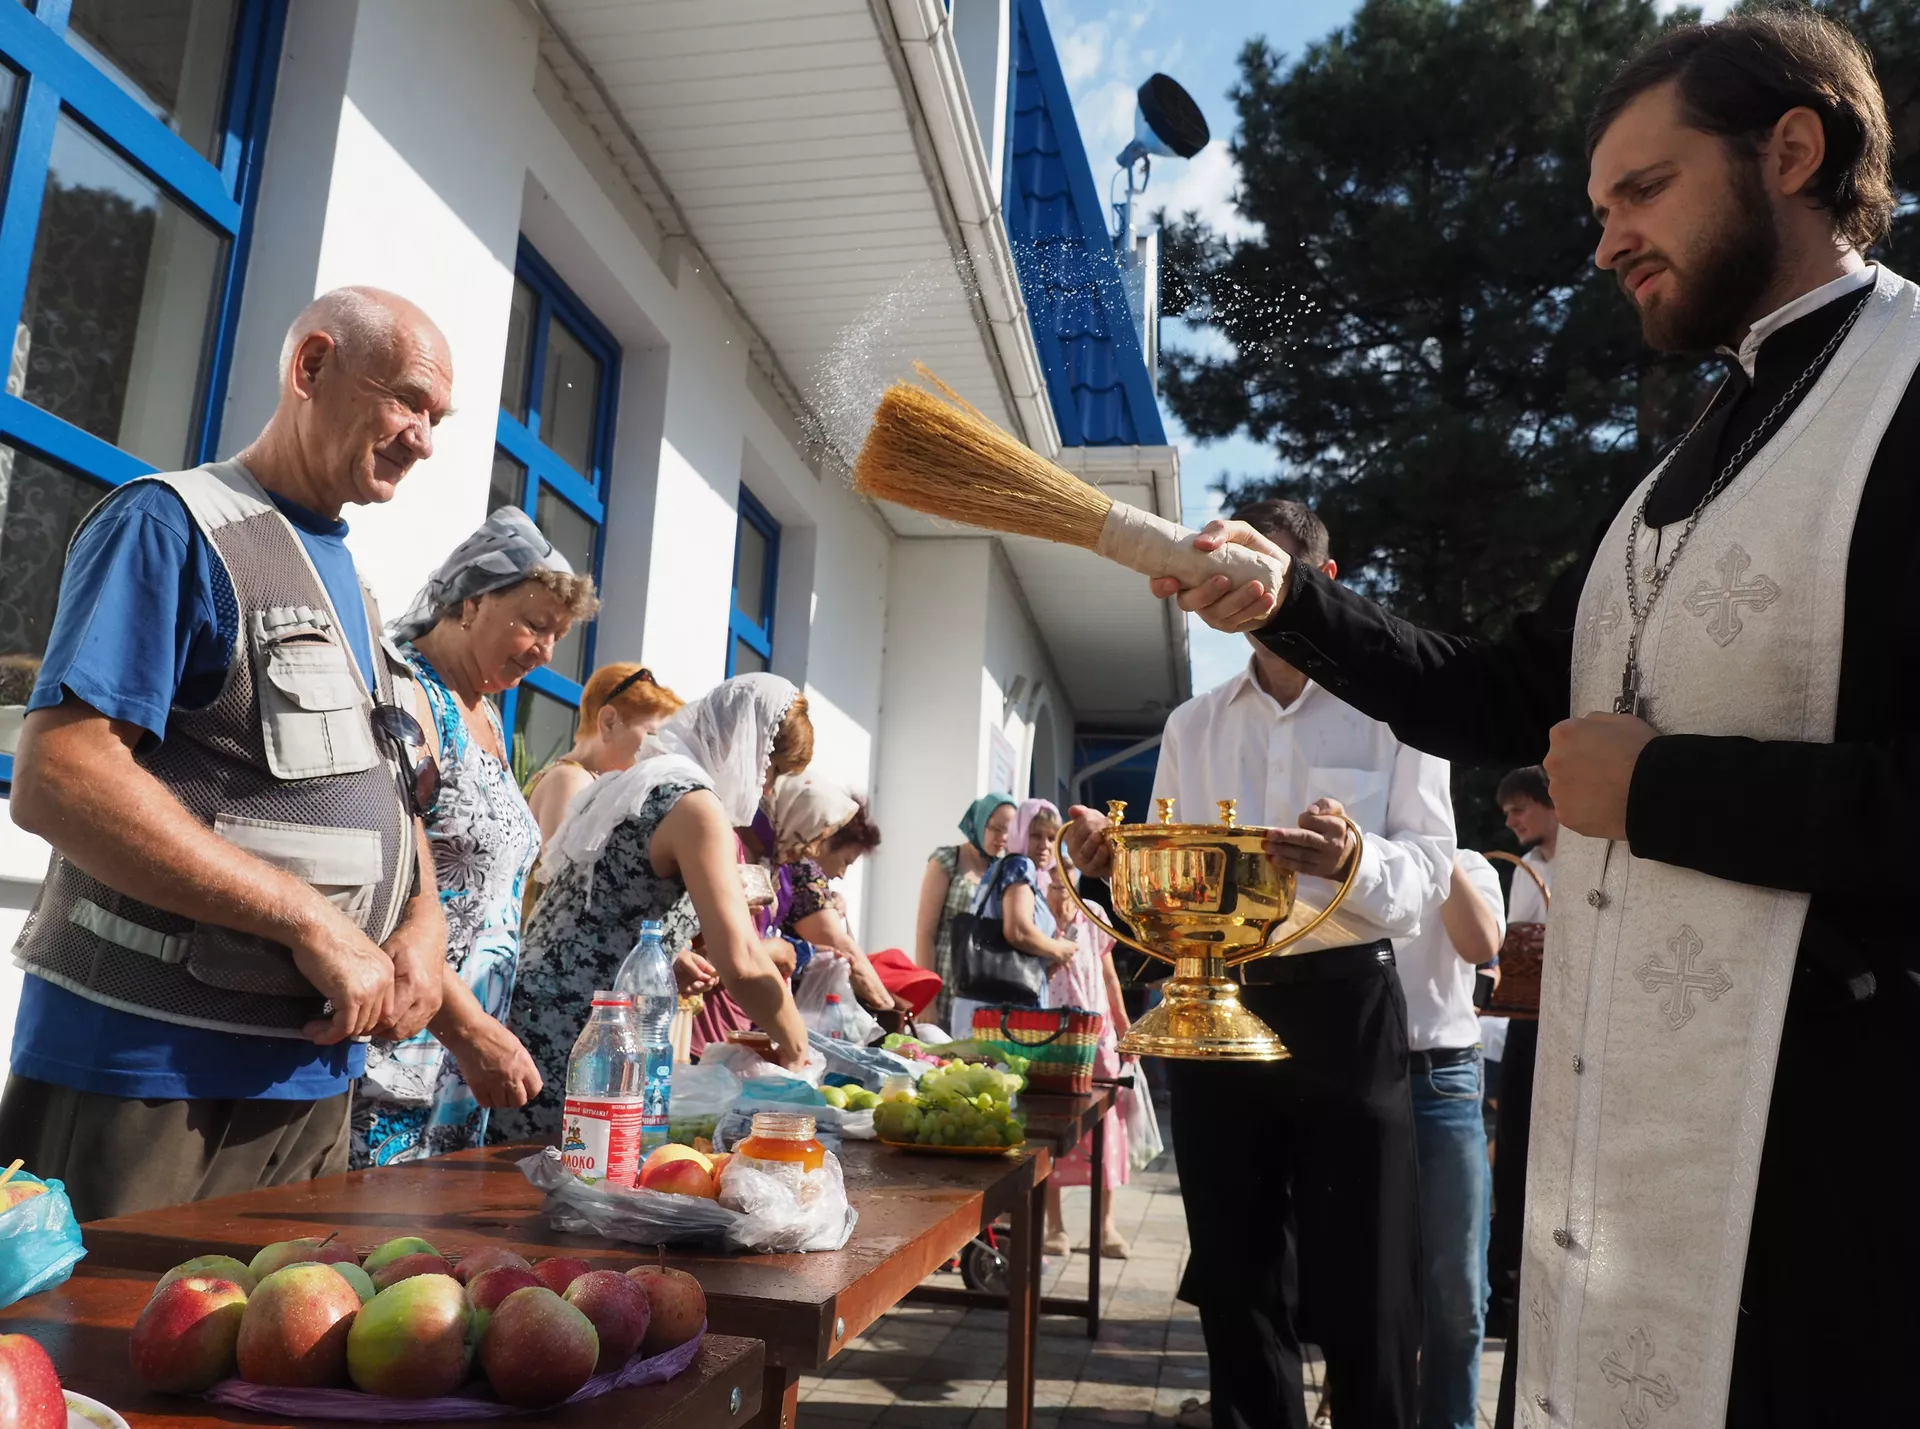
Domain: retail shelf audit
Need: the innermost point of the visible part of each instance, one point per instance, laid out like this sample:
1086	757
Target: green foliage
1417	328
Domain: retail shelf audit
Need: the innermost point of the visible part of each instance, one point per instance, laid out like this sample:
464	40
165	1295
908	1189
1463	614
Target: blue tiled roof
1096	376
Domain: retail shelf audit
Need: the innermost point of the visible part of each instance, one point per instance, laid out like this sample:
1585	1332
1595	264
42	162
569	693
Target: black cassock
1829	1330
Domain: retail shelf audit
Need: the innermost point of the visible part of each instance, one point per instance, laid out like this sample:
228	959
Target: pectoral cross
1632	1375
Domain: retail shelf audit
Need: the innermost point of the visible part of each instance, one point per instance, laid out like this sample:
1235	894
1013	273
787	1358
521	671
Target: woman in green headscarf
953	877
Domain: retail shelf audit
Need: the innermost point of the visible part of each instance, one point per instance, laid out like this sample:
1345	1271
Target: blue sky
1106	50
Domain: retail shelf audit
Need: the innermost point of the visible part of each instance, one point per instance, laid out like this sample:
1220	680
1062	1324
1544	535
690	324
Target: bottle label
602	1139
658	1102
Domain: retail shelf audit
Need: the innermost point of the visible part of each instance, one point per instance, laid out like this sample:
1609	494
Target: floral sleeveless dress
413	1102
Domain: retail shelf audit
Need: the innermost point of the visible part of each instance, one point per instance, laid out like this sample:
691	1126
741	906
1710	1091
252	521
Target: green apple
393	1250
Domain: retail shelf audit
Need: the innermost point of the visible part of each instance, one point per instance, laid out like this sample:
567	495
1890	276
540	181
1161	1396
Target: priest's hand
1087	842
1321	847
1589	767
1218	601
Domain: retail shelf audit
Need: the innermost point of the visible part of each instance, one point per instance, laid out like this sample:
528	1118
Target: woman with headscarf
952	878
822	830
492	612
1014	894
657	843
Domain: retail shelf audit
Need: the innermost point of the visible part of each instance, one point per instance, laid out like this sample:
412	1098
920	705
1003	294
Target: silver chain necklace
1628	701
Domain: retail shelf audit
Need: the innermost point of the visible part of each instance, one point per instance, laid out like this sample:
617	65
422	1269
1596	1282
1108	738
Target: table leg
779	1399
1098	1212
1023	1304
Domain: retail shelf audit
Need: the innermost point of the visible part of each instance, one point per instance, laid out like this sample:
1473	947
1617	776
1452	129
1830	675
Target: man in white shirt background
1524	799
1298	1176
1437	967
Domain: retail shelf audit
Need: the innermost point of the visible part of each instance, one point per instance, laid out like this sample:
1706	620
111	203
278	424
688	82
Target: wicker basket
1058	1042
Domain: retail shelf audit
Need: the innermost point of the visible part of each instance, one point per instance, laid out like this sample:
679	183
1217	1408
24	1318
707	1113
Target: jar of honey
782	1142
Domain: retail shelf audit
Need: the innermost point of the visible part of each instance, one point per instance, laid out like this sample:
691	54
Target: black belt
1328	965
1440	1057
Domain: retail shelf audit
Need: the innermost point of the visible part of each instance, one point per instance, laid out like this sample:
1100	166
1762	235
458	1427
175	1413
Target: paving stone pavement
940	1367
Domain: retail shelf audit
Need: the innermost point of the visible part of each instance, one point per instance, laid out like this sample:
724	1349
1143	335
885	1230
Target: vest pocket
313	712
343	865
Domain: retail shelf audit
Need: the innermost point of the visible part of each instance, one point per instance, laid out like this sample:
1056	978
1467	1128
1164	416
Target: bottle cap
833	998
612	999
654	928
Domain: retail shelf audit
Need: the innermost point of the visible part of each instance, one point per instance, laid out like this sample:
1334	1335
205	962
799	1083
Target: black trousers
1510	1201
1300	1188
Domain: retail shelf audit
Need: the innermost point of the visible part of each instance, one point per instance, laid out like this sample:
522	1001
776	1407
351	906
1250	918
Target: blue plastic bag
39	1243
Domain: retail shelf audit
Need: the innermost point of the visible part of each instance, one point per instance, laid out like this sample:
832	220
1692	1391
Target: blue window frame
756	580
132	139
552	450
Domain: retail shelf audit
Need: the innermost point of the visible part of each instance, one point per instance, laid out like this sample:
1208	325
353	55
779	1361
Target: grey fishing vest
283	763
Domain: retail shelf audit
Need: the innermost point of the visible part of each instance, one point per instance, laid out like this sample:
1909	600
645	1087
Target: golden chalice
1206	898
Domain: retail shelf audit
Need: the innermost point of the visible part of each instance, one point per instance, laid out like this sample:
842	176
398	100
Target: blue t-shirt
147	620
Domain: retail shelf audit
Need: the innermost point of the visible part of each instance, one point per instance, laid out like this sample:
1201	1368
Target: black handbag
986	967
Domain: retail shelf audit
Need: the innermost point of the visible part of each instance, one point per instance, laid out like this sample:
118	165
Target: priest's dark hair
1527	782
1736	77
1290	519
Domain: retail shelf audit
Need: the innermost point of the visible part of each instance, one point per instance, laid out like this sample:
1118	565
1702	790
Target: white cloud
1081	51
1204	184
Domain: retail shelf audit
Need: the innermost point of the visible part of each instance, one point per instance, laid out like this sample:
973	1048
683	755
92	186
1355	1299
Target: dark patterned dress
586	923
413	1102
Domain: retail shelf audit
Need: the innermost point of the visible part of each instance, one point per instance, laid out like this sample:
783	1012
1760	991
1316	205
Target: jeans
1451	1142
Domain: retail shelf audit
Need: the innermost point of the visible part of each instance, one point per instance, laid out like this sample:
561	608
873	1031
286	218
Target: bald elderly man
216	751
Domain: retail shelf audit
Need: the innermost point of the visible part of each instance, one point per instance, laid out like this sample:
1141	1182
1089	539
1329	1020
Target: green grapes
956	1106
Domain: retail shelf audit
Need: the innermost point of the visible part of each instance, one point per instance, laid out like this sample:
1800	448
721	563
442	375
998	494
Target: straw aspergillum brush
937	454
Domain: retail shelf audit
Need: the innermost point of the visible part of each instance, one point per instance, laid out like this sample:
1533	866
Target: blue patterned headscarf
974	822
503	552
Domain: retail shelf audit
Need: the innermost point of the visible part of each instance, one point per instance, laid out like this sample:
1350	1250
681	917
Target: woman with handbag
948	889
1005	947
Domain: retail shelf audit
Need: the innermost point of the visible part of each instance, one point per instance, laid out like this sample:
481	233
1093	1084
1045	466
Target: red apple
538	1349
295	1329
308	1249
30	1396
677	1304
183	1342
560	1271
408	1266
619	1310
213	1267
14	1192
393	1250
681	1176
413	1340
490	1287
487	1257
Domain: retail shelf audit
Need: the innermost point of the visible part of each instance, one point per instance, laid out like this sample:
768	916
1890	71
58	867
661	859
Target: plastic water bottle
833	1021
606	1081
647	977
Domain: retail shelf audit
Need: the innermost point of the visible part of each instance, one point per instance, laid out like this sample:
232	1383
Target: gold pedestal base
1200	1019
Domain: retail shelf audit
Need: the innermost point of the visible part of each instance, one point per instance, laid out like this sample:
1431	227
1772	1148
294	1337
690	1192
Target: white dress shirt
1238	742
1438	982
1748	353
1524	903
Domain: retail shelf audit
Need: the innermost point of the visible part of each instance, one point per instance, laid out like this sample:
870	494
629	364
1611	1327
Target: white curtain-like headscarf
723	741
506	549
805	809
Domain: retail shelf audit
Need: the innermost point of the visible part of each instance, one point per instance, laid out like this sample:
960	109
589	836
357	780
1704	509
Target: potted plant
17	674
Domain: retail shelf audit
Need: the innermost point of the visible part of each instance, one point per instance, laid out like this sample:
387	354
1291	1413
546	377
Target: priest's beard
1727	270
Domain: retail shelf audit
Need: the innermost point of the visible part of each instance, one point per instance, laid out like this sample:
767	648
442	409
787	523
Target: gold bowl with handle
1206	898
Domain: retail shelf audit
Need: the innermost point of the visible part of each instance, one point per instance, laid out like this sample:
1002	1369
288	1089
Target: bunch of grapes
956	1106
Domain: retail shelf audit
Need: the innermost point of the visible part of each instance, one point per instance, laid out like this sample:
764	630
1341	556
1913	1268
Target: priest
1719	1222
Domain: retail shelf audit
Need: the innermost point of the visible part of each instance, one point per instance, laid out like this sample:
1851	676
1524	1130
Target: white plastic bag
747	1064
826	976
701	1095
759	1212
1144	1145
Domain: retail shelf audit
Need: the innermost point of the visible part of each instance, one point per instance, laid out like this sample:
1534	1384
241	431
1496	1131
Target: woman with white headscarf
492	612
822	831
656	843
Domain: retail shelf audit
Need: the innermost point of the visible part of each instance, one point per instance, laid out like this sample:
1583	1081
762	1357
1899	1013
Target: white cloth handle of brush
1146	543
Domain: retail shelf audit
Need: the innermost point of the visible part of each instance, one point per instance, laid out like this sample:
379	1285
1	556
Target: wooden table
916	1212
1062	1122
83	1325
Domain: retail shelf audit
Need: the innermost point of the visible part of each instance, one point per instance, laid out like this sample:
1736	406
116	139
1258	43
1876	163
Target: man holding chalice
1297	1156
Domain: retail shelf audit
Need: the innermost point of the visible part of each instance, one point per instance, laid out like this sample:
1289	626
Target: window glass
746	659
569	398
169	55
120	304
42	506
509	484
750	573
572	535
513	377
542	729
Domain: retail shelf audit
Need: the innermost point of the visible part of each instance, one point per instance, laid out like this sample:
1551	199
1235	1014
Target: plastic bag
819	1219
39	1242
1144	1145
747	1064
826	976
869	1066
701	1095
473	1402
